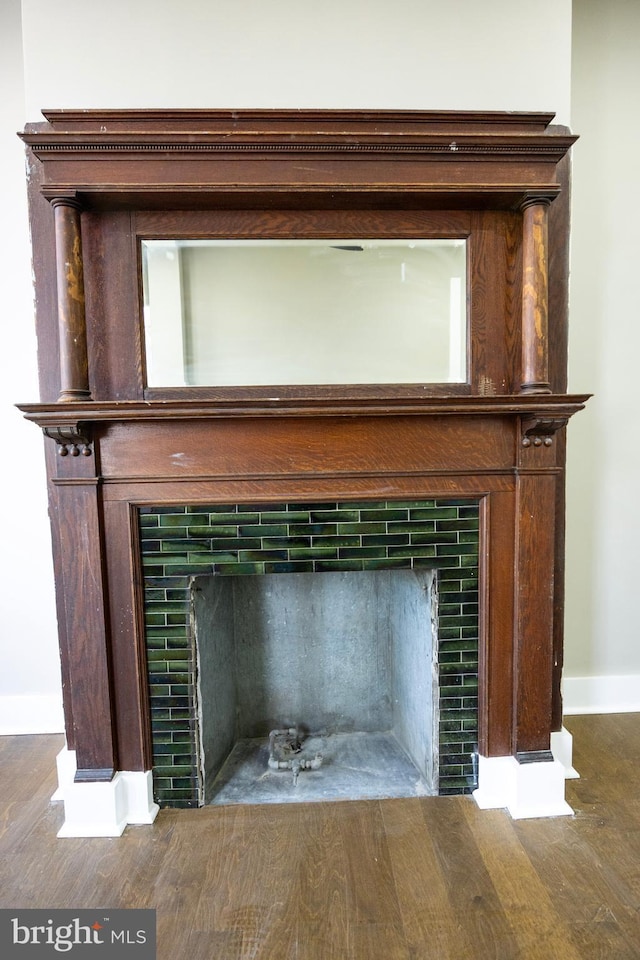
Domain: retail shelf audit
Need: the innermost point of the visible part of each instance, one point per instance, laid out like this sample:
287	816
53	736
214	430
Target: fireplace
401	421
351	617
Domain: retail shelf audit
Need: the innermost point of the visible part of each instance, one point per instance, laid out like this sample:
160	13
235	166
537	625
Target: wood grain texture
416	879
533	655
80	544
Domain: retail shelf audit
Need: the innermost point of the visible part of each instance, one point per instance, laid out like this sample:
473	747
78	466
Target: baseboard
609	694
31	714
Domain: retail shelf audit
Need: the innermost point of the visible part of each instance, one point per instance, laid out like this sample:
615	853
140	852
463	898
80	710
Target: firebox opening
349	659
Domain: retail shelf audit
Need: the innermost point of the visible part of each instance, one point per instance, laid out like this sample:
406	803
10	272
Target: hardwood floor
419	879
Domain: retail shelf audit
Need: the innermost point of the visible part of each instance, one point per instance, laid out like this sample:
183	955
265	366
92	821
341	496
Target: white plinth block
526	790
103	808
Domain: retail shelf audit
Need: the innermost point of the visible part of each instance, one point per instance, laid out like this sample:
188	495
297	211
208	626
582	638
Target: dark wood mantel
101	180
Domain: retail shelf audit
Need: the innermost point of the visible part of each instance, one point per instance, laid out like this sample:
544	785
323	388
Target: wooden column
535	297
72	326
81	554
533	653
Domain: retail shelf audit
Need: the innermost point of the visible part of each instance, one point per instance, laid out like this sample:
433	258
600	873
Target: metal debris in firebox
285	752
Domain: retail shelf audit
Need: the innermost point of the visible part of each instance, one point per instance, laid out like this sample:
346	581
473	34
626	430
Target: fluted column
72	327
535	297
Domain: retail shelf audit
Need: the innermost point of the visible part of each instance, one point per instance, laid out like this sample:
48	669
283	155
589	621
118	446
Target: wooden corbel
72	438
539	429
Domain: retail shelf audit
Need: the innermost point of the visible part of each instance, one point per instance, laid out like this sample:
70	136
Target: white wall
413	54
602	634
30	698
339	53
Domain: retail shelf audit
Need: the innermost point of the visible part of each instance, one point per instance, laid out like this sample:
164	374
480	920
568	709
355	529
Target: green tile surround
179	542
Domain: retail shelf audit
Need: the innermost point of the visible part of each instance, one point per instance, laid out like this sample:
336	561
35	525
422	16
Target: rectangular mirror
276	312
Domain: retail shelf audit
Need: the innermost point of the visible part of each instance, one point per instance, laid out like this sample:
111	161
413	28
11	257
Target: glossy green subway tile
456	550
335	542
233	543
156	595
159	713
464	648
285	516
180	713
362	529
289	566
181	736
313	529
362	553
178	728
413	504
395	563
172	703
386	540
178	619
234	518
251	556
468	560
433	537
313	553
148	521
179	520
182	668
238	569
313	505
263	530
413	551
166	632
283	543
469	667
458	526
163	748
386	515
334	516
155	619
458	737
189	568
177	591
178	643
460	621
436	563
327	565
173	770
452	656
153	546
167	606
219	530
362	504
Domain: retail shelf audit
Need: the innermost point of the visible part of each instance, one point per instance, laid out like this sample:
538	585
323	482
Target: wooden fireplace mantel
101	180
72	424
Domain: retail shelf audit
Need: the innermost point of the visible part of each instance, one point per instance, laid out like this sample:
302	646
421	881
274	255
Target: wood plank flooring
418	879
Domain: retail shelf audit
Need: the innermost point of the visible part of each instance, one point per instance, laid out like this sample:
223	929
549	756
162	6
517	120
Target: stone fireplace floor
367	766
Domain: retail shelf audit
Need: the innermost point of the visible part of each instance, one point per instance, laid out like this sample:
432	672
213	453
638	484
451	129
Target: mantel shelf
533	407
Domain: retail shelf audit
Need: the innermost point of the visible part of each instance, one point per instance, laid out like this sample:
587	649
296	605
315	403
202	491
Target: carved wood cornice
441	153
